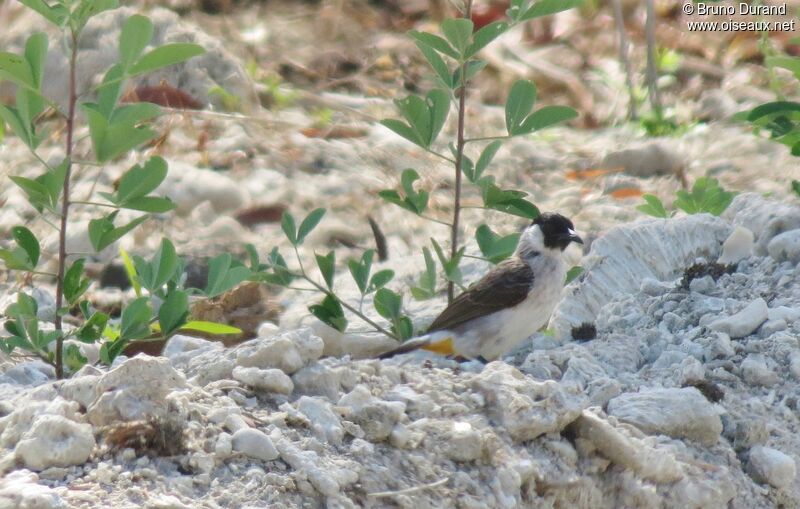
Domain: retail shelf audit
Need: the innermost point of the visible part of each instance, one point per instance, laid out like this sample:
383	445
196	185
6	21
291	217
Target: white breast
494	335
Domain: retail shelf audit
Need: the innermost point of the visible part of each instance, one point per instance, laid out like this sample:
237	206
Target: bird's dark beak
571	237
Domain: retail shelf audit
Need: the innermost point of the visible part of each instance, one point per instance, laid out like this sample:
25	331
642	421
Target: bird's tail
435	342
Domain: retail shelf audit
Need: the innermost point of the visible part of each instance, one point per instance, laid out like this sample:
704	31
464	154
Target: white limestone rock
376	417
525	408
756	371
764	217
14	425
288	352
770	466
269	380
463	443
616	264
20	490
355	344
55	441
691	371
318	379
645	160
785	246
617	444
136	389
255	444
679	413
189	186
745	322
324	422
738	246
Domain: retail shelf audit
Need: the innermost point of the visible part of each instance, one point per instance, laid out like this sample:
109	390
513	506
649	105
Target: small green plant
706	196
114	129
453	59
781	118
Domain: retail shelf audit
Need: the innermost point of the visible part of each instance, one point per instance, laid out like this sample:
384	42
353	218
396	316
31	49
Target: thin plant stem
62	233
652	72
434	220
344	304
460	142
488	138
619	21
96	204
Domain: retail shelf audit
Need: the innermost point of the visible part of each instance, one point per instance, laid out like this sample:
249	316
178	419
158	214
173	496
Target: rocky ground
685	395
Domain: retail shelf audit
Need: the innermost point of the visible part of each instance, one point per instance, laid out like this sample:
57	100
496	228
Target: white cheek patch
571	231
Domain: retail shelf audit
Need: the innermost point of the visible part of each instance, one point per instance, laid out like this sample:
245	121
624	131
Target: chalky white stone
770	466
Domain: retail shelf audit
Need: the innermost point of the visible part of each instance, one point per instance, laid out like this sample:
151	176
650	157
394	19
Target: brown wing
504	286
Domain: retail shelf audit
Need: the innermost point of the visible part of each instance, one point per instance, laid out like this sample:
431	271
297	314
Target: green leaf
790	63
796	187
417	112
28	243
57	14
545	117
11	117
75	285
437	64
486	157
160	269
418	201
772	108
360	269
403	327
135	322
92	329
140	180
166	55
427	281
224	274
398	127
173	312
706	196
73	359
413	201
109	91
121	133
210	327
573	273
380	279
653	207
289	228
387	303
451	266
494	247
439	106
89	8
434	42
472	68
15	68
520	102
330	311
152	204
309	223
457	31
102	232
547	7
136	34
130	270
36	55
484	36
327	266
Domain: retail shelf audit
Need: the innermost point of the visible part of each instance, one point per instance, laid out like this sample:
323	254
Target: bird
509	303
